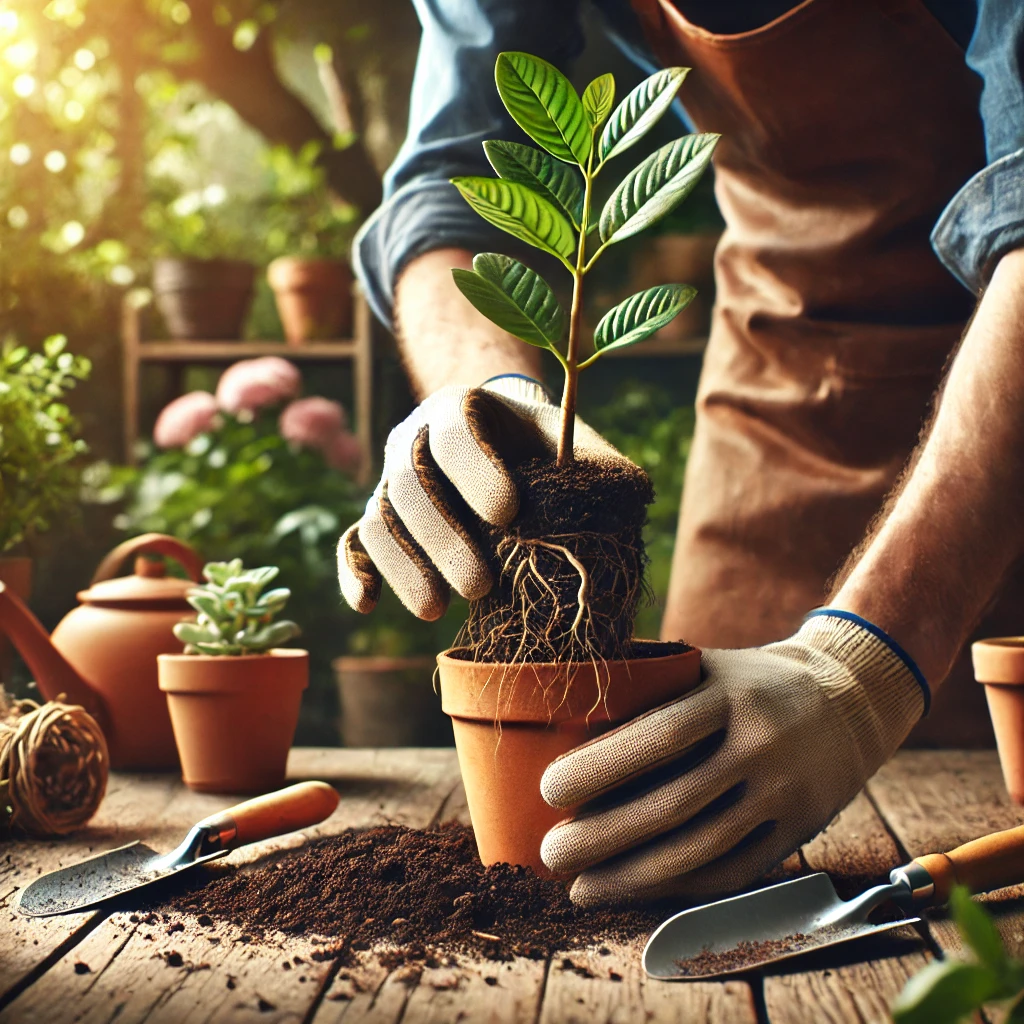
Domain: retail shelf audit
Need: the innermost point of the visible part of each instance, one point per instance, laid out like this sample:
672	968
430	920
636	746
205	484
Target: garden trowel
130	867
785	920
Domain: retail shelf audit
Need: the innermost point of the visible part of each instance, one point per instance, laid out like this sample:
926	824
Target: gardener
850	132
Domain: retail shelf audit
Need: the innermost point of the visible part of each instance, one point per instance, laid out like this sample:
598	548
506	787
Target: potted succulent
999	666
40	467
547	658
234	694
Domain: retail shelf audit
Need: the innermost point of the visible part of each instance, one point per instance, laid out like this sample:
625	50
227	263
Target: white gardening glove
744	770
445	465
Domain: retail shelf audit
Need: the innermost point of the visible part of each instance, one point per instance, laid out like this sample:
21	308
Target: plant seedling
234	616
951	990
544	197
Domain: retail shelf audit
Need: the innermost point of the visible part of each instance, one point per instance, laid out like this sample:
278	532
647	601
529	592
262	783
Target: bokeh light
20	154
55	161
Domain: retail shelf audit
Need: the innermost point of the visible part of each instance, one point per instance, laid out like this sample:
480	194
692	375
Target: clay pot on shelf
203	300
390	702
999	665
313	296
15	573
512	721
234	717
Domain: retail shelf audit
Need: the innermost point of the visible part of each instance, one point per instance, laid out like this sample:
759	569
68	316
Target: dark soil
597	513
420	894
742	956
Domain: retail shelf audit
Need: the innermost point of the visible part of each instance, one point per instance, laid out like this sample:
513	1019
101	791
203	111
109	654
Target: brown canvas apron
846	128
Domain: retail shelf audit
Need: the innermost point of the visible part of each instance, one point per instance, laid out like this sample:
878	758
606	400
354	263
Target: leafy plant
951	990
545	198
40	448
235	617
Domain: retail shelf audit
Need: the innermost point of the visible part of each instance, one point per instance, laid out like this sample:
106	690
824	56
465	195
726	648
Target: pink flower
344	453
312	422
185	418
254	383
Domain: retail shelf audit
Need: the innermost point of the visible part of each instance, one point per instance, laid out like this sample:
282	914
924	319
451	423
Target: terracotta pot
314	297
512	721
234	718
390	702
999	665
203	300
16	573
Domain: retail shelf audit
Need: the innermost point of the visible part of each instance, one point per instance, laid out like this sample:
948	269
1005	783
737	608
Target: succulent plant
235	617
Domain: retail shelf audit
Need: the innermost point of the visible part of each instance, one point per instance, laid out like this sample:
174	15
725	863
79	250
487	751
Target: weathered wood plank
608	986
128	812
935	800
857	851
146	972
860	992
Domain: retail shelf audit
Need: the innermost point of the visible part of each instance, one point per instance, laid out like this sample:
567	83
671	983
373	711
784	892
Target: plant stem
566	454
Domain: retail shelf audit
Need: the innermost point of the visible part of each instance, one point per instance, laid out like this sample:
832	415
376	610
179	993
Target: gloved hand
446	464
775	742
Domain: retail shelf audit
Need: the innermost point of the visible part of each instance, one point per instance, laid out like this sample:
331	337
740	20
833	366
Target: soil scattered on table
419	896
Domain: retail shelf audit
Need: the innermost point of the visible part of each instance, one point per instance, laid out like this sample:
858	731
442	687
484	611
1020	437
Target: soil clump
417	896
570	568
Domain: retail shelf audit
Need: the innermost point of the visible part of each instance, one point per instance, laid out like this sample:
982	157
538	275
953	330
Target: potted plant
312	231
234	694
999	666
202	282
547	659
40	454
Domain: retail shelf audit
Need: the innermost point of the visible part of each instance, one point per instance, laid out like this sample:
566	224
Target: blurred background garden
157	156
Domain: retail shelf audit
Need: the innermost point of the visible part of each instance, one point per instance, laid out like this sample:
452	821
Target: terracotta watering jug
103	653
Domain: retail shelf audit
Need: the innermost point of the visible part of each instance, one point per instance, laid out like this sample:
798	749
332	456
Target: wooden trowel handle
263	817
982	864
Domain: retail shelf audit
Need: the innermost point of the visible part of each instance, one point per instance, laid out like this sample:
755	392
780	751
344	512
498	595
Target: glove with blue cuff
701	796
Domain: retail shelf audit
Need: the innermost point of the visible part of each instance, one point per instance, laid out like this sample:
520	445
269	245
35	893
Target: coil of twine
53	766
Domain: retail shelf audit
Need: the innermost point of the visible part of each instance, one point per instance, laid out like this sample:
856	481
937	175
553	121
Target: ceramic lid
149	587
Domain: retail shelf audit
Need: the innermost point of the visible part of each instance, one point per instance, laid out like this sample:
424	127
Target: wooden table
105	967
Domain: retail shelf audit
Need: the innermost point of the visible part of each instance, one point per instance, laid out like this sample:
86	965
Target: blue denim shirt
454	108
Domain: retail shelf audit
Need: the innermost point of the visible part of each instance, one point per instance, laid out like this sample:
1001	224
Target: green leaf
547	177
598	98
640	315
978	930
944	992
205	602
511	295
656	186
545	105
191	633
521	212
271	636
640	111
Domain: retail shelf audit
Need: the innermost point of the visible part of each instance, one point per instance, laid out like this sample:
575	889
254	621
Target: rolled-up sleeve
453	109
985	219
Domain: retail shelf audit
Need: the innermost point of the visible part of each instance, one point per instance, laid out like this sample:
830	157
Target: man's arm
957	524
443	339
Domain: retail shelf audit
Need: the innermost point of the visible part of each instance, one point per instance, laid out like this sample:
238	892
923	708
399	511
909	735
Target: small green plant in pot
234	694
550	648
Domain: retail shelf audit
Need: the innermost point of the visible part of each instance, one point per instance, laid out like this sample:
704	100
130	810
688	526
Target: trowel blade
100	878
757	928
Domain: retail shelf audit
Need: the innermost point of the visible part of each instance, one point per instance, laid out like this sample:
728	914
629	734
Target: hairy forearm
443	339
957	524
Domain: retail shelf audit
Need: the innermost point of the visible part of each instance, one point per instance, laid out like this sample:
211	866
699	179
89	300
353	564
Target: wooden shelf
180	353
216	351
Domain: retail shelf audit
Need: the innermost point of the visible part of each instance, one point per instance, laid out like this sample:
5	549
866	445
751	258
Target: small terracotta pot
313	296
512	721
999	665
390	702
16	573
234	718
203	300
